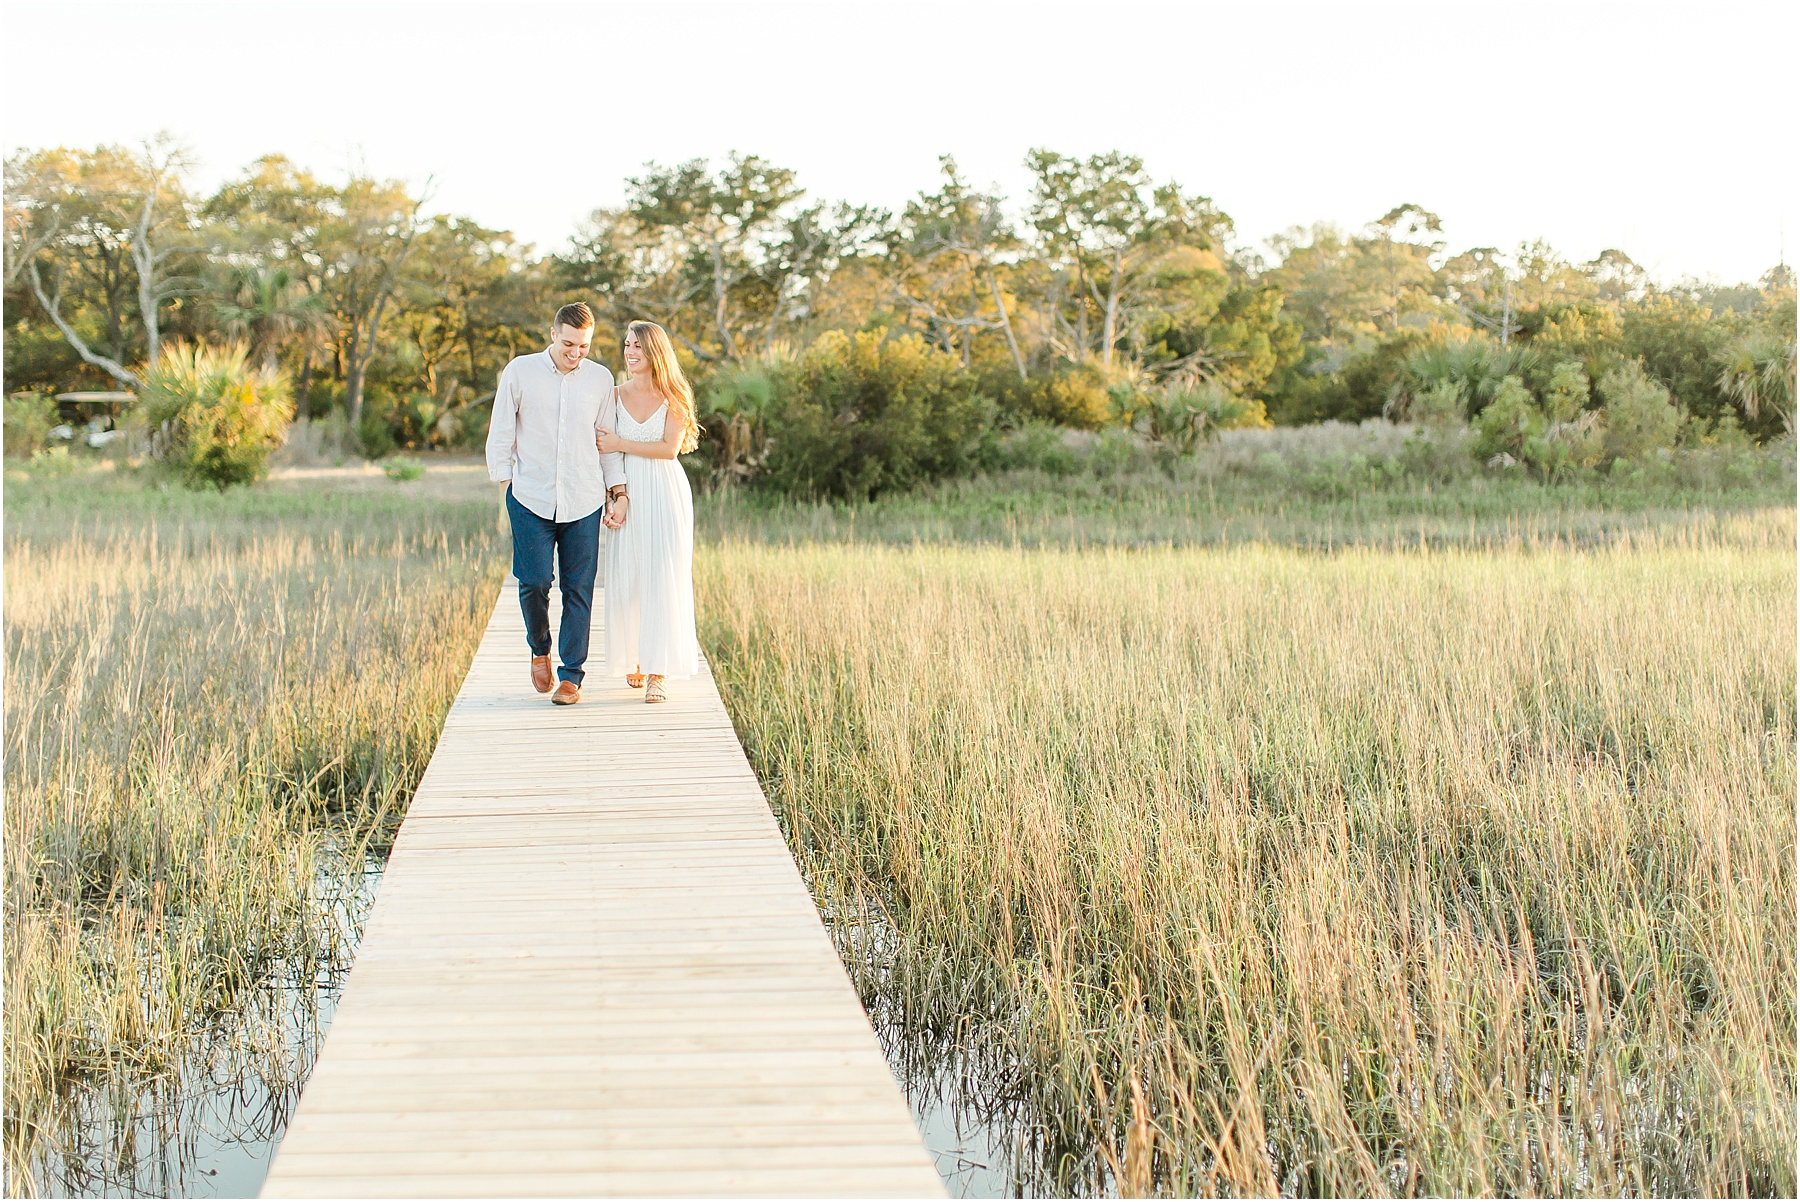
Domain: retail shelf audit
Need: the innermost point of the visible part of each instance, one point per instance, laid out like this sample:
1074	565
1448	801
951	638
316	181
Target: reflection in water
975	1158
979	1111
210	1129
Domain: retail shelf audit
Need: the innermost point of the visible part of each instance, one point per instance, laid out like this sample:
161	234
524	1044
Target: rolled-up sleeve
503	427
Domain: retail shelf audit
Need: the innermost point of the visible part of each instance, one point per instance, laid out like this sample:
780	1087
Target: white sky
1665	130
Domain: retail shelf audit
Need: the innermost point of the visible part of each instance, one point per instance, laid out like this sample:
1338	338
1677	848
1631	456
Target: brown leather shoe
567	693
540	673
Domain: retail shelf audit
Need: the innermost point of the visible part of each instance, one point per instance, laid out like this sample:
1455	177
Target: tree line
1092	301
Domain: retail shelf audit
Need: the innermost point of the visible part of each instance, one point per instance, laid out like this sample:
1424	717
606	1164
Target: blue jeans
576	549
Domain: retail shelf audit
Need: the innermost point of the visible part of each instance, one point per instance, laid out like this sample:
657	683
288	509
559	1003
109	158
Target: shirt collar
550	362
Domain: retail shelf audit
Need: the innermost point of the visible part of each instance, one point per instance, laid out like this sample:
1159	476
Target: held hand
615	513
608	442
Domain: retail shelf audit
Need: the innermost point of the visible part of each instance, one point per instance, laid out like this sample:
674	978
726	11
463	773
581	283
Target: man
541	450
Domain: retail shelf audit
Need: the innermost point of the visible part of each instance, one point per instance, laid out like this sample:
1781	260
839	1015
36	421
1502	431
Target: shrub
400	468
29	416
1181	418
1640	416
1440	403
1509	422
1473	370
375	433
1572	436
1676	340
218	419
1757	374
1037	445
1074	395
1568	393
736	409
869	413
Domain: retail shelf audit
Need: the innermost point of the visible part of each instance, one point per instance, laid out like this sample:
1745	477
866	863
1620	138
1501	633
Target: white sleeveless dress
650	564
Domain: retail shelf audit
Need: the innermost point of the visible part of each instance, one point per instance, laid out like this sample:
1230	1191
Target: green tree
712	224
1105	235
1756	371
1243	340
944	260
103	230
1641	416
364	243
1509	422
270	308
270	222
1567	397
1678	341
1400	263
1318	275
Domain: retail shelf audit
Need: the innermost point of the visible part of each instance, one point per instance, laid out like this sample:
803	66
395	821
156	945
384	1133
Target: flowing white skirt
650	575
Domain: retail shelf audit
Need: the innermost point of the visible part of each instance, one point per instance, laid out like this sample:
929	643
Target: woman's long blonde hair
667	378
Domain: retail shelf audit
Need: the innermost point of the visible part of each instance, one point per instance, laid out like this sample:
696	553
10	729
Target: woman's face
635	359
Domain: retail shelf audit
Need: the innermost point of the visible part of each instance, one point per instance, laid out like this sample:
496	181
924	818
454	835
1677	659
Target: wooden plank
591	969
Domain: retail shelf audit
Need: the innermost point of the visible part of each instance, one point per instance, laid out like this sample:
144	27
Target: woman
650	559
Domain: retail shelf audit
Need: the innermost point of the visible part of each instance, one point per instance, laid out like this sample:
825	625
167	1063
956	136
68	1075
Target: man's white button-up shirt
541	436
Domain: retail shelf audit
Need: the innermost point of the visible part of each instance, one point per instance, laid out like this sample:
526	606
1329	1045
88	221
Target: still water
211	1130
975	1158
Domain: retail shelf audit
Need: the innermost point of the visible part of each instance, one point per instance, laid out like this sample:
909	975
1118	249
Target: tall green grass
1251	870
214	706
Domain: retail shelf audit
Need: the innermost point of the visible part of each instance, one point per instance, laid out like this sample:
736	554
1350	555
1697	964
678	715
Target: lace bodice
633	430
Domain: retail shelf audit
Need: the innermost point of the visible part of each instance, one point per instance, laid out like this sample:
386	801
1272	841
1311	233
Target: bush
1463	375
217	418
1640	416
1181	418
736	409
29	416
1037	445
375	431
1509	422
1074	396
868	413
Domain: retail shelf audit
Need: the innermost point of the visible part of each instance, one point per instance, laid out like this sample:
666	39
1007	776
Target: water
210	1129
975	1157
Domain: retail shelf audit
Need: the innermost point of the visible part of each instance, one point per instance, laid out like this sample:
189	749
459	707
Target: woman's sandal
634	679
653	691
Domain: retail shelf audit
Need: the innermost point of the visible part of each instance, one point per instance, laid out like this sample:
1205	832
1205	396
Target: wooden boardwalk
593	969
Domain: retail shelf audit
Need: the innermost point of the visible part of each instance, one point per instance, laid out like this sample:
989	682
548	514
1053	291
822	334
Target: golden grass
1251	870
206	715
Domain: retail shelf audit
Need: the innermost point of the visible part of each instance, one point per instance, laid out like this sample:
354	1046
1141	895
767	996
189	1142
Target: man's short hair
576	316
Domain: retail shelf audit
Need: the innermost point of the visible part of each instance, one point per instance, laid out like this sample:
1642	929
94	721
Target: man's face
569	346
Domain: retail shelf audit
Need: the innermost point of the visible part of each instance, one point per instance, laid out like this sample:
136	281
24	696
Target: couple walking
575	452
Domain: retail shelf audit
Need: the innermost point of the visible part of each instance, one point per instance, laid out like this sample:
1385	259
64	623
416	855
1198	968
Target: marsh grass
209	1126
1455	858
1248	870
216	707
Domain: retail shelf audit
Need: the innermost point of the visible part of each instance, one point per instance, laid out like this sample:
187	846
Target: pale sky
1664	130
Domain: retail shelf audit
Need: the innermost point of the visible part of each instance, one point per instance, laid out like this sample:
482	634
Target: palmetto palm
1447	376
1758	372
270	307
